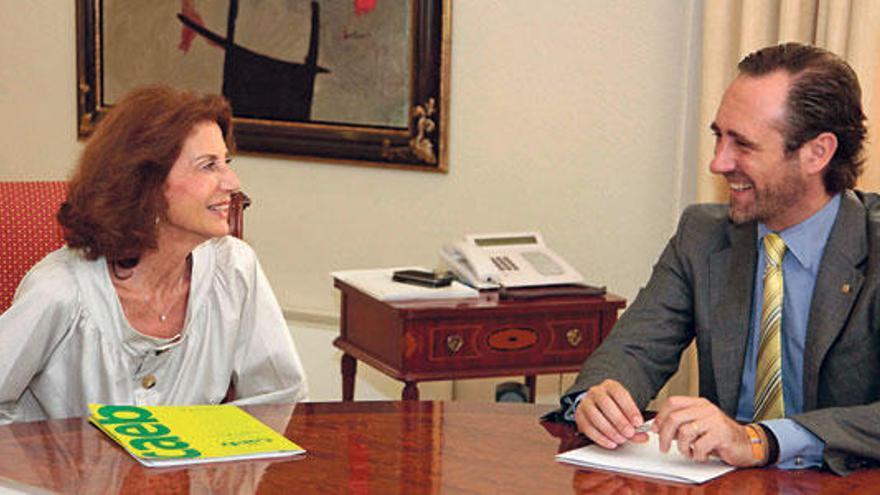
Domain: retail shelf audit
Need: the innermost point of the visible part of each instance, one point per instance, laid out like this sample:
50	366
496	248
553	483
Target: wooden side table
451	339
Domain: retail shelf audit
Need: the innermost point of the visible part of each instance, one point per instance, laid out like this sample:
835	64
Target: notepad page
379	284
645	459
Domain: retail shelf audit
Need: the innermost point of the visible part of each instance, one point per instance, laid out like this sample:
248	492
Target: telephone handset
470	265
488	261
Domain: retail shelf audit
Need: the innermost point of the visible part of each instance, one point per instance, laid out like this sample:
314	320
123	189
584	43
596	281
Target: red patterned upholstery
28	228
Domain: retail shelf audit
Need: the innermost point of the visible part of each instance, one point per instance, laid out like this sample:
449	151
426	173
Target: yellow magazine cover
176	435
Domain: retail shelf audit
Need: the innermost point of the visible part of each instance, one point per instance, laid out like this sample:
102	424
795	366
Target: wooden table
449	339
370	447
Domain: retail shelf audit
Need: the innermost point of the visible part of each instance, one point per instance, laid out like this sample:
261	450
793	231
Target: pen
643	428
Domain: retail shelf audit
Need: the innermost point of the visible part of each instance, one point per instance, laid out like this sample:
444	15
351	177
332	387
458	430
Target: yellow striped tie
768	379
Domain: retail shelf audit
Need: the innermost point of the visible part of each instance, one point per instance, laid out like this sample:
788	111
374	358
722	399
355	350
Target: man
780	288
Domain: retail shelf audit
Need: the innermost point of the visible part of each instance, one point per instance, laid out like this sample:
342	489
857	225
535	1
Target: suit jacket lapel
838	284
731	283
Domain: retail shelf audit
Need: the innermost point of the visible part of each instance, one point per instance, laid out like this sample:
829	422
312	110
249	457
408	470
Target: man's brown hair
824	97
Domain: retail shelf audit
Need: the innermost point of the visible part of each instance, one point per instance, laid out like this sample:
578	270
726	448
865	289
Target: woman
150	302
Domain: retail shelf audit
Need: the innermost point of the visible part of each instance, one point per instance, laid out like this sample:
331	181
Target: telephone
488	261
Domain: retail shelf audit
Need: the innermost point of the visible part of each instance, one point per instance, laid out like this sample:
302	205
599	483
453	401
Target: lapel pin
844	288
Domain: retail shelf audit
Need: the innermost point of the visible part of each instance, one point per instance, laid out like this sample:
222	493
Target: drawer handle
574	337
454	343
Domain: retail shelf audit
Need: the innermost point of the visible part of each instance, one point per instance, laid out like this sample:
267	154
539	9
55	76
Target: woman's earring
157	219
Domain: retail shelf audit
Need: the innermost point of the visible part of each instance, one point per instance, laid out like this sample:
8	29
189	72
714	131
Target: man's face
764	184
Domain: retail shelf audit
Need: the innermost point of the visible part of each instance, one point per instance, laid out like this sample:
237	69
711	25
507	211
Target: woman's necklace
163	315
178	293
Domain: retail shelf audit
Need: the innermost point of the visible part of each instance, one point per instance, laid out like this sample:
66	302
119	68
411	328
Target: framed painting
352	81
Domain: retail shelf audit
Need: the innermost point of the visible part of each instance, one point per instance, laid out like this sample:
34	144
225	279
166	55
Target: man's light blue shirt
805	244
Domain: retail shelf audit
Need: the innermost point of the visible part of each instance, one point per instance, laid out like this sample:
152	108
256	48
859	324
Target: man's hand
609	416
701	430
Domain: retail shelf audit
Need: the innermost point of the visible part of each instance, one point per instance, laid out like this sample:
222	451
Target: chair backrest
29	229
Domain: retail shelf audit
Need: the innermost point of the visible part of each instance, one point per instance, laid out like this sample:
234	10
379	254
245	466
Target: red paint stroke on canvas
187	35
362	7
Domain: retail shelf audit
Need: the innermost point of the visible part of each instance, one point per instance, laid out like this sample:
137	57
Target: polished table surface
370	447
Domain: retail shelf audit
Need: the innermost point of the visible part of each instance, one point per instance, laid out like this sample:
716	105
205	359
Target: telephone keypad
504	263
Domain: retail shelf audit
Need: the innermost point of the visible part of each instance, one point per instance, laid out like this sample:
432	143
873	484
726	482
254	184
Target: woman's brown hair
116	192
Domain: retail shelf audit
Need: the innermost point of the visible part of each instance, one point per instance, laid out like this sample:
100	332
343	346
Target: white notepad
645	459
378	283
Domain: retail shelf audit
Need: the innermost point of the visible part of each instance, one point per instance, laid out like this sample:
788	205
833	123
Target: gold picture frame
415	138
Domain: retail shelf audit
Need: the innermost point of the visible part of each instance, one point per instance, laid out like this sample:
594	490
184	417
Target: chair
30	230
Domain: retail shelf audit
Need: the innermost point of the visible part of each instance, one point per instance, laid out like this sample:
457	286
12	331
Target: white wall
571	117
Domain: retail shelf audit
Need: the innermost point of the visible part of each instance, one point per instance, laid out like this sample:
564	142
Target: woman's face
199	187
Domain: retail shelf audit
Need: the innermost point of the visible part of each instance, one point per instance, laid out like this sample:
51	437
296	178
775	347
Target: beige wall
571	117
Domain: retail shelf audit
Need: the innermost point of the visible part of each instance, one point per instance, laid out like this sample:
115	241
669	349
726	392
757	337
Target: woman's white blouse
65	342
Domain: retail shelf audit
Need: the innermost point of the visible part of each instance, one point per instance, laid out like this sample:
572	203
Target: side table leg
410	391
349	370
530	382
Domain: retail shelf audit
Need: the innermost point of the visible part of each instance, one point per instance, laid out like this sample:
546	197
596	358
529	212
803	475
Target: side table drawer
504	344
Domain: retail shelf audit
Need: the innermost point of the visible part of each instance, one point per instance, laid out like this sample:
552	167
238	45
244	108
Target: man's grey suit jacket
702	287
